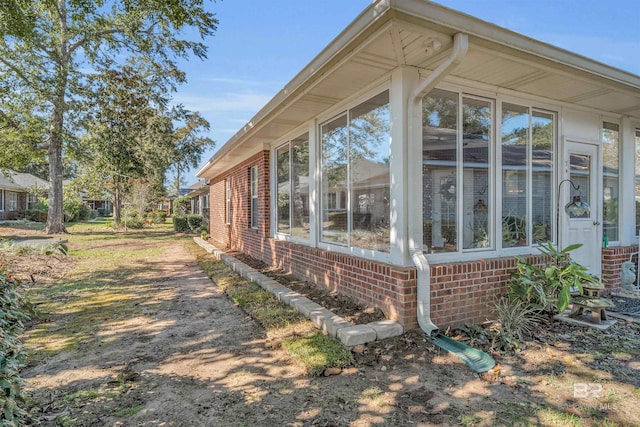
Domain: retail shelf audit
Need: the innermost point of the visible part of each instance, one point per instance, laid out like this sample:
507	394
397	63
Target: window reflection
611	177
355	176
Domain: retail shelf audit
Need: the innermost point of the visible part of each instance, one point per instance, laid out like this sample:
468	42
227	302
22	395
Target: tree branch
19	73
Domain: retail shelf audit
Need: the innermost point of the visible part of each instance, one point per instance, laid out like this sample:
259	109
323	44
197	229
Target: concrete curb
331	324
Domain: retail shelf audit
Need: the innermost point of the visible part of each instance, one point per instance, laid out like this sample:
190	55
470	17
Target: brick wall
612	259
388	287
460	292
239	234
465	291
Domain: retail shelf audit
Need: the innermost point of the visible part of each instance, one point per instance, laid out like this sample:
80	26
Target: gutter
457	54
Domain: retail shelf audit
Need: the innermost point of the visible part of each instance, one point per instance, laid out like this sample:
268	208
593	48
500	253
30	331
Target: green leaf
571	248
563	298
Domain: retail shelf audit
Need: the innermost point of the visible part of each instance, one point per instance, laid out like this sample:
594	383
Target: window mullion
529	163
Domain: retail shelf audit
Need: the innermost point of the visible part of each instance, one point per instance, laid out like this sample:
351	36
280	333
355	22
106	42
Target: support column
403	80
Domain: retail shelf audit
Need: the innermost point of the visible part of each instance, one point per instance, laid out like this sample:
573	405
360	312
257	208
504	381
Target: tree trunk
117	206
55	216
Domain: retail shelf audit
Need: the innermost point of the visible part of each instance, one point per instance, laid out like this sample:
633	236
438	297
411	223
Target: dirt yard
131	332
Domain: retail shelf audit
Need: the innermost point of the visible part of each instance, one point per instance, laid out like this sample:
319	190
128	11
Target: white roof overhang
419	33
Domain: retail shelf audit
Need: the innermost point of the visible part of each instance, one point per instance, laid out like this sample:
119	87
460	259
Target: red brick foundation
612	259
465	291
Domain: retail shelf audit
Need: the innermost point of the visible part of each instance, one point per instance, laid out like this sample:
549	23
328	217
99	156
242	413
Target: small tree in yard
136	202
181	205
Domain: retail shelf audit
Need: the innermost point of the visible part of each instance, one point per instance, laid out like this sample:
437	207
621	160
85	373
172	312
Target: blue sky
261	45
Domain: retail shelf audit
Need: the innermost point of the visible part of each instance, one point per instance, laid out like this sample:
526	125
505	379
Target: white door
581	185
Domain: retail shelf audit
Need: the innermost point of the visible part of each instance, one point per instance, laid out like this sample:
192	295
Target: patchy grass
317	352
314	350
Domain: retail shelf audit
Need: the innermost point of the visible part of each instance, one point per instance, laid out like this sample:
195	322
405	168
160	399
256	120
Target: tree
46	57
132	134
189	144
176	184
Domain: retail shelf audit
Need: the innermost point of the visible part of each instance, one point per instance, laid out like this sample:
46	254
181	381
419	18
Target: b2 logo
584	390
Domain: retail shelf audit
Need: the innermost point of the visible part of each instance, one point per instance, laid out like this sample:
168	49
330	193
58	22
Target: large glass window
527	166
284	190
515	167
477	115
227	195
459	175
292	165
637	182
611	176
444	145
543	135
439	171
254	196
13	201
355	176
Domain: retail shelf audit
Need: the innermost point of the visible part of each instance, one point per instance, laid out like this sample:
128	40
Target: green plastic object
477	360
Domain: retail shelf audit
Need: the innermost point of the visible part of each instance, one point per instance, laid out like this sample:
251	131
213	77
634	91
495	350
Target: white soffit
418	33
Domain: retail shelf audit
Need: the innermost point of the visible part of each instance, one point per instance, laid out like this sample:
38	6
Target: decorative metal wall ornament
448	187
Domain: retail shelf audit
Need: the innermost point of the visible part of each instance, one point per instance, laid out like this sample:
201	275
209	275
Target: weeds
516	318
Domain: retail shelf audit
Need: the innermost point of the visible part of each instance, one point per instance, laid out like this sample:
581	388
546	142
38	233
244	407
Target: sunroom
422	150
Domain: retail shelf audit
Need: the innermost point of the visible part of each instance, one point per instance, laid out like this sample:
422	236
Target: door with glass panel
579	205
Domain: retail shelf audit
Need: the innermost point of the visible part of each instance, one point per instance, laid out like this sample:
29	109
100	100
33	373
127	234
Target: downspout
458	52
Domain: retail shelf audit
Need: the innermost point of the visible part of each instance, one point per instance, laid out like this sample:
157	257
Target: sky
260	46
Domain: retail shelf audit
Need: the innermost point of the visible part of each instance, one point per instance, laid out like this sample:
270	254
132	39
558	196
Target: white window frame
13	201
617	122
227	191
254	196
2	200
534	104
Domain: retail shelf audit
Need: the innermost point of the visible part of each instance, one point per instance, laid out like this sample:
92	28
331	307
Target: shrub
187	223
134	222
104	212
181	205
516	318
550	286
75	210
159	217
14	313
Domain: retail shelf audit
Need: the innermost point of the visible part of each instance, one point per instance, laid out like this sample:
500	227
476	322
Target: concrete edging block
386	329
330	323
356	335
306	308
334	324
319	316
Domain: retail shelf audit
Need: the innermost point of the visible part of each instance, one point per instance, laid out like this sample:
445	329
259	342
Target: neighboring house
101	204
182	192
19	192
420	152
199	195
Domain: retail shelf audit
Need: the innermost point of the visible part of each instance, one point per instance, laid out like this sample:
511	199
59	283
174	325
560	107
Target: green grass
300	338
317	352
128	412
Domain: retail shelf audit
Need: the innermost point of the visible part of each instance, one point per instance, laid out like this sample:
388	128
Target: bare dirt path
155	343
188	358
